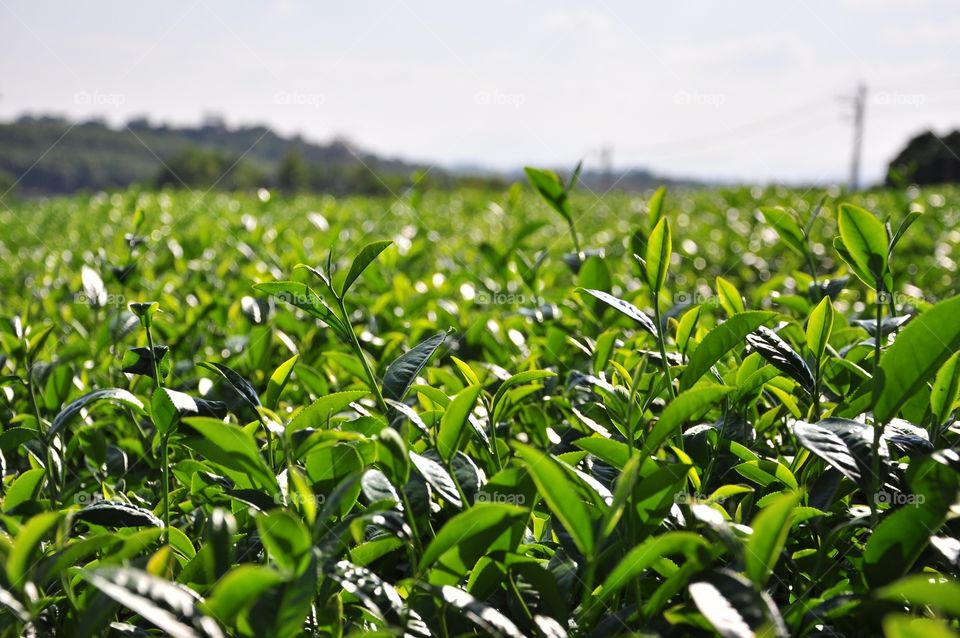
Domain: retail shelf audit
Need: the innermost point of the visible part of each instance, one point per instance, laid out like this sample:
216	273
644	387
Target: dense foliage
927	158
532	413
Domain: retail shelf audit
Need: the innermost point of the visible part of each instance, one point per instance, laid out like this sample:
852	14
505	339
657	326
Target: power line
753	127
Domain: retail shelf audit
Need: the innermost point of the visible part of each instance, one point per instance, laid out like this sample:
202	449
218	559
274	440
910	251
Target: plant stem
358	350
164	453
663	359
877	426
493	437
412	522
662	345
153	355
576	239
165	478
49	444
816	391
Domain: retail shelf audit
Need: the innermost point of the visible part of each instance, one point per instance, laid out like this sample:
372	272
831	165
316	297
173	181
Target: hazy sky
747	90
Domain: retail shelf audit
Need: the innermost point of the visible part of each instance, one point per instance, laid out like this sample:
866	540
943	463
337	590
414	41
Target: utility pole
859	100
606	165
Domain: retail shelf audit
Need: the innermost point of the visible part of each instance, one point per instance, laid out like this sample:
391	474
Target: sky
749	91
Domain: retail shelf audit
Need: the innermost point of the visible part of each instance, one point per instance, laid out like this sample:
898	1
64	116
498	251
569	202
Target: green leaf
239	588
767	471
551	189
487	618
729	297
655	206
438	478
303	297
719	341
454	421
366	255
317	414
915	355
172	607
900	538
819	327
623	489
865	240
659	249
923	590
392	456
110	395
846	445
468	374
594	274
686	326
24	487
140	361
624	307
233	448
787	228
518	379
26	546
117	514
278	380
37	340
779	353
471	534
946	389
377	595
770	529
644	556
734	608
144	309
402	372
167	406
683	408
902	626
847	258
557	488
236	381
613	452
907	222
286	540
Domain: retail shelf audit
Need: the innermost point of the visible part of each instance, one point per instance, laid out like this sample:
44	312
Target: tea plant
726	412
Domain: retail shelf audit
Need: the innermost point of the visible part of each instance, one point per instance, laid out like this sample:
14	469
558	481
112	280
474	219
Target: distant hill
93	156
50	155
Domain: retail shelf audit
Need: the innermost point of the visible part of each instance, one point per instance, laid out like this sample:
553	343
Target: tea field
536	412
